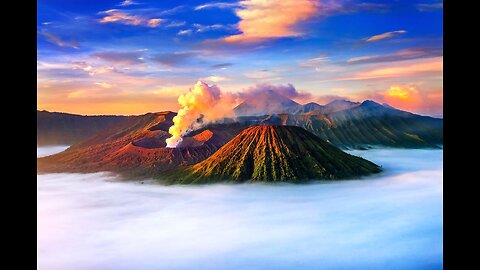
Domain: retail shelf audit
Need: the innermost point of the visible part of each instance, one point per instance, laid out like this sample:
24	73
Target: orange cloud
104	84
402	95
94	102
154	22
214	79
408	69
409	98
265	19
385	35
76	94
58	41
92	95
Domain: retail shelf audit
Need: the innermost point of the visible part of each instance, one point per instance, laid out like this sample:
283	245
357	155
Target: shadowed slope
54	128
277	153
135	147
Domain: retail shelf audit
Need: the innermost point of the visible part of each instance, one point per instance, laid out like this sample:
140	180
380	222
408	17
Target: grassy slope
276	153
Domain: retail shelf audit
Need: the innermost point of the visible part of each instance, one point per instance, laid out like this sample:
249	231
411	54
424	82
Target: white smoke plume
200	105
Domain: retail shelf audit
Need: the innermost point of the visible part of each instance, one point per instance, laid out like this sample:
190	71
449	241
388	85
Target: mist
50	150
389	221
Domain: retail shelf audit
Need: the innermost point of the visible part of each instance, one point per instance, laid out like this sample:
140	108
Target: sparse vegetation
276	153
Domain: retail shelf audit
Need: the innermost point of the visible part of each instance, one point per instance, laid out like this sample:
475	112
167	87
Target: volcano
276	153
136	147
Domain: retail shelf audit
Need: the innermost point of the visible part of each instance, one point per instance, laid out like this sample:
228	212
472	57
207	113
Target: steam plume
200	105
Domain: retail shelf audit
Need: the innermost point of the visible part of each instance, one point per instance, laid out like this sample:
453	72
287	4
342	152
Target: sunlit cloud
401	55
76	94
87	67
115	15
361	58
169	91
129	95
214	79
385	35
427	66
336	72
314	61
266	19
120	16
59	41
410	98
402	93
104	84
216	5
154	22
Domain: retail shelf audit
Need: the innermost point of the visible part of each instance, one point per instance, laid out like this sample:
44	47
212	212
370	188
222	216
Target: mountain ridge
266	102
276	153
58	128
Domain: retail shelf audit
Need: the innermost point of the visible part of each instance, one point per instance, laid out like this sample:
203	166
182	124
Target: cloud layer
393	221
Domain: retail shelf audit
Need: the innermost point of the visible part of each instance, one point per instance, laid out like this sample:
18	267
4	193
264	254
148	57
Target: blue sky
131	57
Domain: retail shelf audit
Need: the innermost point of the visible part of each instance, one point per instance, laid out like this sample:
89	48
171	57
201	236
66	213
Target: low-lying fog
50	150
391	221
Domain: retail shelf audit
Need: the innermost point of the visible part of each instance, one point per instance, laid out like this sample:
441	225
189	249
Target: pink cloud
266	19
285	90
385	35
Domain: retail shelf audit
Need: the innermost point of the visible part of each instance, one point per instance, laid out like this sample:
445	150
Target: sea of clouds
389	221
50	150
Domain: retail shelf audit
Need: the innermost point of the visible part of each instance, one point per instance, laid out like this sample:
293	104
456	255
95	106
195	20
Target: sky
137	56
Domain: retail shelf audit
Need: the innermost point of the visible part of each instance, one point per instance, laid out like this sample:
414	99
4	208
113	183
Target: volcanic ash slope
276	153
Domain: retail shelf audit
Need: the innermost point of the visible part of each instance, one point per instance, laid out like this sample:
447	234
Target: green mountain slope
368	124
276	153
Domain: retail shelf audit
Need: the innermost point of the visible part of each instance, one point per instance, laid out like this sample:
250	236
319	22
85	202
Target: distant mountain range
55	128
268	102
343	123
357	125
271	102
